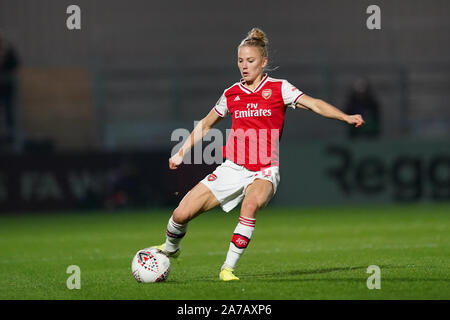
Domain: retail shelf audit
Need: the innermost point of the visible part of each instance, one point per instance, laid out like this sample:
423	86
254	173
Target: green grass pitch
295	253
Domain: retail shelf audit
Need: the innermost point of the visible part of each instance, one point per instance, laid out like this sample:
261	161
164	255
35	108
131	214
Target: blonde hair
256	38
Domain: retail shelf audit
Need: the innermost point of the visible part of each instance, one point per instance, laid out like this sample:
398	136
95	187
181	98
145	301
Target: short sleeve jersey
257	121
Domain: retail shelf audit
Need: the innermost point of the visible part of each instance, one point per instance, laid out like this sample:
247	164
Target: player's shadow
287	275
304	272
292	275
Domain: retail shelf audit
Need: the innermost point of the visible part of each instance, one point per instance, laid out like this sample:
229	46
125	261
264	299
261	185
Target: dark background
91	111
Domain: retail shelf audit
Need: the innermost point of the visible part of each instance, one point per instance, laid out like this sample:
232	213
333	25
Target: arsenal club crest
266	93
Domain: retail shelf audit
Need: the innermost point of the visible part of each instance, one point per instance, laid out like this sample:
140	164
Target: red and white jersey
257	121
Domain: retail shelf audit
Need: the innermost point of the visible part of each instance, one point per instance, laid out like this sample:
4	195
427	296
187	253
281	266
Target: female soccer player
250	172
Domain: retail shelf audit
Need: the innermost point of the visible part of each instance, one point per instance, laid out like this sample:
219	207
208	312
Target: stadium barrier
362	172
68	181
323	173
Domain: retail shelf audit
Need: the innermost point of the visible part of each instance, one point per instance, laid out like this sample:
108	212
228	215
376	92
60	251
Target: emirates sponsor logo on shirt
252	111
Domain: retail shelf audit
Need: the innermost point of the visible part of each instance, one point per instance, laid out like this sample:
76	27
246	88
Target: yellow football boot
174	254
226	274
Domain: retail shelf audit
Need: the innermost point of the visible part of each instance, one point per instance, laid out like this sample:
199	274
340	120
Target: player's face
251	63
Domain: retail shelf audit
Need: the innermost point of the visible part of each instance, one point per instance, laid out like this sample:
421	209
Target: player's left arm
327	110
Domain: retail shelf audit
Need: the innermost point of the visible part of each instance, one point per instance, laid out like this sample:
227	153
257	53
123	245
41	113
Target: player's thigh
257	195
199	199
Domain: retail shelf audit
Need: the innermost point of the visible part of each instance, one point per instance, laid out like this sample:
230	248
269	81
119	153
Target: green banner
347	172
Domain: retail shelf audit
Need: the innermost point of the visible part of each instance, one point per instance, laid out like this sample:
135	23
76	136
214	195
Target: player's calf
239	241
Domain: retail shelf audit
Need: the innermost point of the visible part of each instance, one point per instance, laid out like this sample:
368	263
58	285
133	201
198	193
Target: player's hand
355	119
176	160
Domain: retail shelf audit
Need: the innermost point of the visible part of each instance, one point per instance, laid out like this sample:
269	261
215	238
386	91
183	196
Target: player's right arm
200	130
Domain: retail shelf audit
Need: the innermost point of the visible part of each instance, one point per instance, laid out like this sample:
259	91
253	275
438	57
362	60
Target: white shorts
229	181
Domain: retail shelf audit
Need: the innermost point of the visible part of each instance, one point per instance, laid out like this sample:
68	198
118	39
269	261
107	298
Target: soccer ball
150	265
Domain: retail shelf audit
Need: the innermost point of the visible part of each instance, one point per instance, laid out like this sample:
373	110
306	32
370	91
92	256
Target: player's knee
180	215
